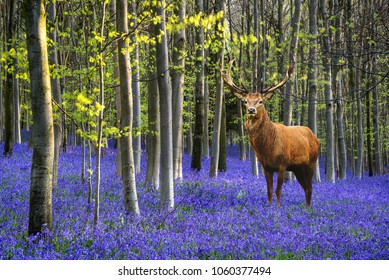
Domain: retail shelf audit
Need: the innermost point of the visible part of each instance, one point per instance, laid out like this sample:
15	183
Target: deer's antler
238	92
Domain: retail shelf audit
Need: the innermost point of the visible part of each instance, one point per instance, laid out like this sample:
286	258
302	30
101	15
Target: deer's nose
251	111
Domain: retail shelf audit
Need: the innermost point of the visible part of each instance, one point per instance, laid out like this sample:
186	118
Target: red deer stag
279	148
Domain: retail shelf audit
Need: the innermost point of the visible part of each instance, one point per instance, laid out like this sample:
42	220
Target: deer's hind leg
304	177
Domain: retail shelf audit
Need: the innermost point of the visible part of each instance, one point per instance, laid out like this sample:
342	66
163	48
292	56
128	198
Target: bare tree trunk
154	131
242	144
167	187
153	138
330	144
206	113
117	91
223	139
295	24
16	109
288	109
128	168
213	171
376	127
137	139
197	152
189	132
56	89
368	128
312	66
341	134
99	122
179	48
254	161
9	129
16	88
349	33
40	214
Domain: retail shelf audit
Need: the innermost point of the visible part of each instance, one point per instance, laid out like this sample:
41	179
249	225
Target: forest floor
221	218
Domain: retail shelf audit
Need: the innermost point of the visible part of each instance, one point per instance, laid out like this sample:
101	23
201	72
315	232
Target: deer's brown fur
279	148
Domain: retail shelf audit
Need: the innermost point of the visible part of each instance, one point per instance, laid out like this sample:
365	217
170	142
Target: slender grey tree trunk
9	128
154	131
167	188
128	167
179	49
206	113
312	66
100	119
295	25
197	152
254	161
341	134
217	121
288	102
330	144
56	89
351	78
376	127
117	91
137	139
40	213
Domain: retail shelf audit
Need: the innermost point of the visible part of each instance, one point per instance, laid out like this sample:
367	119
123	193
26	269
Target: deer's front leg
280	181
269	182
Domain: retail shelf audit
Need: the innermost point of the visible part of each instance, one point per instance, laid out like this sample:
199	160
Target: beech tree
312	79
178	80
330	148
55	86
127	156
40	214
165	107
217	124
197	152
9	129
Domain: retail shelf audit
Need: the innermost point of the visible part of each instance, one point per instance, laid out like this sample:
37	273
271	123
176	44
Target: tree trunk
197	152
100	119
179	48
295	24
128	167
242	143
154	131
349	34
213	171
330	145
206	113
9	129
166	190
40	214
137	139
254	161
288	109
56	89
341	134
312	66
223	139
376	127
117	91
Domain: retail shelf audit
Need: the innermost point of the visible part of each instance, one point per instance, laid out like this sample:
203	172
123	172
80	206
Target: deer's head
253	100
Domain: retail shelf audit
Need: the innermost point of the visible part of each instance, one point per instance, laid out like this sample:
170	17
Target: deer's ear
239	95
267	95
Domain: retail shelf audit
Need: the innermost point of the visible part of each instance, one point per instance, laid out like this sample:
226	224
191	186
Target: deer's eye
260	101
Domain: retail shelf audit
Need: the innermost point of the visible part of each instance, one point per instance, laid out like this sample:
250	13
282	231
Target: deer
278	148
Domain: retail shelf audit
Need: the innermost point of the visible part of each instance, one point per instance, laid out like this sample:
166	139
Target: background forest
137	84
